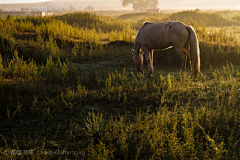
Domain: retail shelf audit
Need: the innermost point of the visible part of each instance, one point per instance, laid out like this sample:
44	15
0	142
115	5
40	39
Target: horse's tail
194	50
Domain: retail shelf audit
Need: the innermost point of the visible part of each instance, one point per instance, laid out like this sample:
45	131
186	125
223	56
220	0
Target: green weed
69	90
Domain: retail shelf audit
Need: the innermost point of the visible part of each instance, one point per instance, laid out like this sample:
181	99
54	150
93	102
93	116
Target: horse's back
156	28
160	35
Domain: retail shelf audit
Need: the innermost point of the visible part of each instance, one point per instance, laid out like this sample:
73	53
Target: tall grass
184	119
64	87
83	35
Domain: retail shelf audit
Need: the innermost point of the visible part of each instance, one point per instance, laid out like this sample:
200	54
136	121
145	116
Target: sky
21	1
179	4
201	4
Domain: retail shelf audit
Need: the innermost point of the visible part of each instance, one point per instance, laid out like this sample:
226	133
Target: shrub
17	67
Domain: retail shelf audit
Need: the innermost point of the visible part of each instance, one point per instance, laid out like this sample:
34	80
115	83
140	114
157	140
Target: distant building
157	10
14	10
197	10
90	8
25	9
26	13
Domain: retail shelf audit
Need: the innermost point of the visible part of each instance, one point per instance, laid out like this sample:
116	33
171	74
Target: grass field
69	90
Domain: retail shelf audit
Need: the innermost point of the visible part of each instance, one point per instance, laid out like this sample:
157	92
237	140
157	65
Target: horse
166	35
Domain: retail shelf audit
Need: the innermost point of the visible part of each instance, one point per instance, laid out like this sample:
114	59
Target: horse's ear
132	51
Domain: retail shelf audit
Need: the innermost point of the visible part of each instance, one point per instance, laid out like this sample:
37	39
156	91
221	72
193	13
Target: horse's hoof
150	75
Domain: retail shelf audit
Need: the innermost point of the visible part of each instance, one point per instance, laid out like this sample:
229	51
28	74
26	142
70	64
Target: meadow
69	89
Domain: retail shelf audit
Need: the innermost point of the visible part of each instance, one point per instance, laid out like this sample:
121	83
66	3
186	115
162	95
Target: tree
140	5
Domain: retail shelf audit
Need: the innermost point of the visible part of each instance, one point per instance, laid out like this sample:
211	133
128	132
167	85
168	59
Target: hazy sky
180	4
21	1
201	4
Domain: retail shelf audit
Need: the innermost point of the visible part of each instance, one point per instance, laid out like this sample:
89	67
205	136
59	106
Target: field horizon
111	5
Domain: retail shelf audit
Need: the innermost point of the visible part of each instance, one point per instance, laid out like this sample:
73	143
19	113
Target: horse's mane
145	23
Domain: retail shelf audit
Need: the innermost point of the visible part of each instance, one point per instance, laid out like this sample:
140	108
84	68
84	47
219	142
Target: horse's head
138	59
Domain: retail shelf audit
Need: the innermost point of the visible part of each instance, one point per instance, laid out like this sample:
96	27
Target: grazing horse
164	35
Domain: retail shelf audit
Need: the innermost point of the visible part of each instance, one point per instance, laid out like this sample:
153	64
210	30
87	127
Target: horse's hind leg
187	51
149	58
183	58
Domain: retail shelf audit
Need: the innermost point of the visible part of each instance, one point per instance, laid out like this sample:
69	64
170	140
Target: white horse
164	35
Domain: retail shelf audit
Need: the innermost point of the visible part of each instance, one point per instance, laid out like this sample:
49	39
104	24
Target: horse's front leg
151	61
149	58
